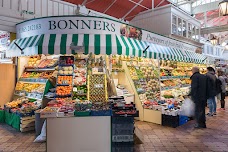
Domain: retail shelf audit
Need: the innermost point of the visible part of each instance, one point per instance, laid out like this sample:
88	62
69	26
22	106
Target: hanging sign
93	25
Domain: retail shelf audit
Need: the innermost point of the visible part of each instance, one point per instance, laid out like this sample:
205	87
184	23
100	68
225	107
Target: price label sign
75	89
98	86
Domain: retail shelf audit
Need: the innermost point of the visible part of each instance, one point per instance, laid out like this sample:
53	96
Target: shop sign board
4	40
93	25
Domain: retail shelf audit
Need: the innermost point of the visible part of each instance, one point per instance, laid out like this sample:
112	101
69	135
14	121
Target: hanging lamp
223	7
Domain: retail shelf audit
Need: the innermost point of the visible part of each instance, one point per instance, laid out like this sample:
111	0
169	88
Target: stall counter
84	134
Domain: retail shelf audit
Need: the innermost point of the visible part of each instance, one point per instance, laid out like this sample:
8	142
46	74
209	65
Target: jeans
212	105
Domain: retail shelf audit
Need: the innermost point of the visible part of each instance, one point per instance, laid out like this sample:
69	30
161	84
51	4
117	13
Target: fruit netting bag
188	108
42	136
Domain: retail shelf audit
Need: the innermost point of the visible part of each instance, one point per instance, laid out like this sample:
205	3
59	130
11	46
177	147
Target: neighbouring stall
100	71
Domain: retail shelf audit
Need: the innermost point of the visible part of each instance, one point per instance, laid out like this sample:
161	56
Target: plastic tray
25	114
122	120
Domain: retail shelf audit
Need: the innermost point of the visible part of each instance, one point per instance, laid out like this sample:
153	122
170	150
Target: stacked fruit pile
67	70
63	91
65	80
33	62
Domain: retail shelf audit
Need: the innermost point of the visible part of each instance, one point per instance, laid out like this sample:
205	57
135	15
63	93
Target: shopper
211	91
199	96
223	89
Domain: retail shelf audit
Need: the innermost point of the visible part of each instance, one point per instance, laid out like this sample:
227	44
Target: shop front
98	68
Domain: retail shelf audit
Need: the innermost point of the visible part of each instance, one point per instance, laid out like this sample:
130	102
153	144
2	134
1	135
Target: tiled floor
155	137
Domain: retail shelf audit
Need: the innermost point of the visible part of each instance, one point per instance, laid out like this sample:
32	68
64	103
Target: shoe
220	109
209	114
199	126
214	113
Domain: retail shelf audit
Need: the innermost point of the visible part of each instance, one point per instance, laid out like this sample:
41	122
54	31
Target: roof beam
109	6
139	4
136	5
160	3
214	29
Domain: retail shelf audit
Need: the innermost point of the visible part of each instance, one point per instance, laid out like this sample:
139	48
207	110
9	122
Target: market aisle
156	137
186	138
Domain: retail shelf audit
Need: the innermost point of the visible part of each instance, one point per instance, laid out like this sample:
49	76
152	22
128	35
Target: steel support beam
109	6
214	29
136	5
152	7
160	3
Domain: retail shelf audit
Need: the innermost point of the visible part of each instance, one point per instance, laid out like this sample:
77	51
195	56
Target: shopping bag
42	136
187	108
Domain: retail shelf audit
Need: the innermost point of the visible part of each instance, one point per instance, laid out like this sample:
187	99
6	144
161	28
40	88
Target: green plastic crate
81	113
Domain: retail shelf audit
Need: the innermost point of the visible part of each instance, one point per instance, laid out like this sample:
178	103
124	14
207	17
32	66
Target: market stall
100	72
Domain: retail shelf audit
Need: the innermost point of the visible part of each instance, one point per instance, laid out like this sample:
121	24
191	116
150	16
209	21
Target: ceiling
124	9
213	19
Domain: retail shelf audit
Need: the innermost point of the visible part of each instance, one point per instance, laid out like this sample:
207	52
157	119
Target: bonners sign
66	25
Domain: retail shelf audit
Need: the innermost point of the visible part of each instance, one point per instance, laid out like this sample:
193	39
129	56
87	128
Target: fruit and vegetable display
80	76
33	61
42	75
66	70
80	92
63	91
64	80
66	60
133	73
22	106
121	109
28	87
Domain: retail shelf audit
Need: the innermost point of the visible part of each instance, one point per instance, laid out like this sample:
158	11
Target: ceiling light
214	41
223	7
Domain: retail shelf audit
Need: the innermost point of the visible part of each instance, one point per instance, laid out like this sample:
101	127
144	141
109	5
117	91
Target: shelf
64	65
32	82
174	87
174	77
40	70
83	94
65	74
63	84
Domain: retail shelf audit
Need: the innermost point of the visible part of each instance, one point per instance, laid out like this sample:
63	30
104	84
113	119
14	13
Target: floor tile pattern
155	137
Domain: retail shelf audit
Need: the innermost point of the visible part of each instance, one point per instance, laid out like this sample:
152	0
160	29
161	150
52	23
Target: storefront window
179	26
174	24
189	30
184	29
193	32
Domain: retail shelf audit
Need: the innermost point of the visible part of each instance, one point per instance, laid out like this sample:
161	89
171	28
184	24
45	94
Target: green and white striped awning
135	47
196	57
97	44
60	44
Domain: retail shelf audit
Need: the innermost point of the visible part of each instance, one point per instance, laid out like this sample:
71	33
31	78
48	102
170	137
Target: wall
13	11
7	82
158	21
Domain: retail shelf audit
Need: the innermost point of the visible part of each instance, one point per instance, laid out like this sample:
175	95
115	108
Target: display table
84	134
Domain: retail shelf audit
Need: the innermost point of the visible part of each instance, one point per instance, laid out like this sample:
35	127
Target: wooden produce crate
27	123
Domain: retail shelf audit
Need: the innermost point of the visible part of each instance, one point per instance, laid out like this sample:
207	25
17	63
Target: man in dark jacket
199	96
211	91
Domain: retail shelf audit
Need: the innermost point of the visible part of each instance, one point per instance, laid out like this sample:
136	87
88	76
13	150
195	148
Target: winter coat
211	85
221	78
198	87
